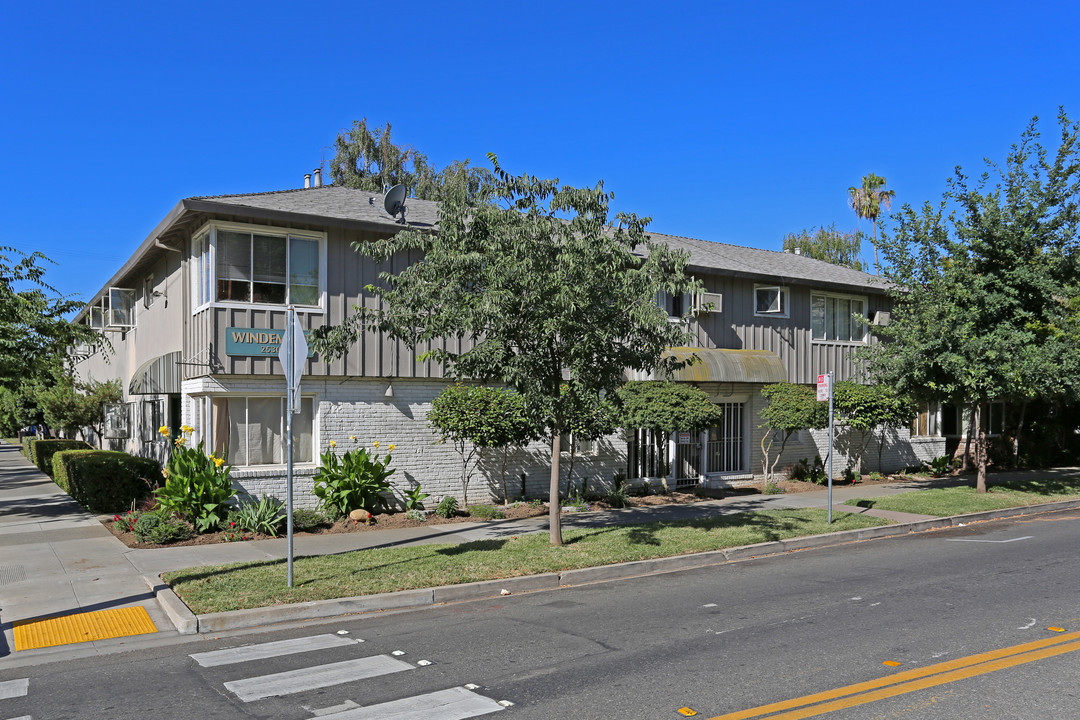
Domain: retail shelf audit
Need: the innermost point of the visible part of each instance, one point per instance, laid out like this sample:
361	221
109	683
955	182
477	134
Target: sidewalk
58	559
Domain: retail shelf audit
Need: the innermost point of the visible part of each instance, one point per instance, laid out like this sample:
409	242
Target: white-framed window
115	310
235	264
580	447
833	318
770	301
250	429
926	422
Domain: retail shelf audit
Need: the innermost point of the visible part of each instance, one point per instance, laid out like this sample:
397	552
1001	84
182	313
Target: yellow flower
333	444
353	438
163	430
376	443
391	447
180	441
218	462
165	474
187	429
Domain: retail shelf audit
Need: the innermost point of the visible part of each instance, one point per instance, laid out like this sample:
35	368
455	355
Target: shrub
486	512
876	476
305	520
104	481
416	515
197	485
42	451
161	530
849	475
941	465
618	498
264	516
126	522
575	504
356	482
447	507
414	498
773	488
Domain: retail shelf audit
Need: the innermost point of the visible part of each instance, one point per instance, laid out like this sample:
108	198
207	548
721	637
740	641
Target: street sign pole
831	434
293	355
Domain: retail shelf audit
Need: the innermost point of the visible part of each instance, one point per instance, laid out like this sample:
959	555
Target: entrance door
687	459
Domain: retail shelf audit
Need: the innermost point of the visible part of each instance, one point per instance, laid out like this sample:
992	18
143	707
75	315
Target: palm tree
867	202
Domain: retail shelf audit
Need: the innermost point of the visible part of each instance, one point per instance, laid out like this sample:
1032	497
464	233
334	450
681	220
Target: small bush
876	476
264	516
849	475
618	498
486	512
104	481
42	451
941	464
447	507
416	515
153	528
126	522
773	488
305	520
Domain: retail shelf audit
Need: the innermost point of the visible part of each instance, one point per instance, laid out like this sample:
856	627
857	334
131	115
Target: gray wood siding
737	327
348	273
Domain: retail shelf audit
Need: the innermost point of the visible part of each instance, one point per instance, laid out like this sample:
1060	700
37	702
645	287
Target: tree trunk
980	452
877	267
554	511
502	476
967	439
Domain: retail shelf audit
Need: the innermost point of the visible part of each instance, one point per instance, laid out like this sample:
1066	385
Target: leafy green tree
791	408
71	404
666	407
867	200
18	409
982	286
34	333
368	159
828	244
866	409
548	290
475	419
590	418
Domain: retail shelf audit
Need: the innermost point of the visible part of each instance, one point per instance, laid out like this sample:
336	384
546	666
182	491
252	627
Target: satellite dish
394	202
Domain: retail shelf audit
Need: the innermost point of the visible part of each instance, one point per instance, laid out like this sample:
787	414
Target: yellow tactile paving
82	627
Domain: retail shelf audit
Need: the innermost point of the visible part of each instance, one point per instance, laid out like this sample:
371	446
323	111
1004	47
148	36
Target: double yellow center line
911	680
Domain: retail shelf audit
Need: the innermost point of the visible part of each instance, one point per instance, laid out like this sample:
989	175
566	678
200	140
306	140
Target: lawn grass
366	572
944	502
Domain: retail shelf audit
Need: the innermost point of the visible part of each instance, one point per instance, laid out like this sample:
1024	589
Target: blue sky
729	122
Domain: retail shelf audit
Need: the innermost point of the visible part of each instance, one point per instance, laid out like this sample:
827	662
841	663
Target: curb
187	623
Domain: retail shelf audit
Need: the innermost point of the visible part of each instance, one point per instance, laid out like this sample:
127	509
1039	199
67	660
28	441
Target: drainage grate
12	574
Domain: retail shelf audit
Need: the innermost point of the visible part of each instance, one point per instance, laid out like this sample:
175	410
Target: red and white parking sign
823	387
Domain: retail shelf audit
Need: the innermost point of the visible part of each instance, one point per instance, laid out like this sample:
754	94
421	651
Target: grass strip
366	572
945	502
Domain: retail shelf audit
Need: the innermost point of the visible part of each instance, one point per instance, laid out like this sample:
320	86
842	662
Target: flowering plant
197	484
355	481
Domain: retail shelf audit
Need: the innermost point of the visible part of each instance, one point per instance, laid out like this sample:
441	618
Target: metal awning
719	365
159	376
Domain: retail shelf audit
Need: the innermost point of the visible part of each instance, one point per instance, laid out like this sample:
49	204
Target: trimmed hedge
42	451
104	481
27	439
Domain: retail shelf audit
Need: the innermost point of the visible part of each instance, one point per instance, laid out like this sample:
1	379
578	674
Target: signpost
293	355
825	392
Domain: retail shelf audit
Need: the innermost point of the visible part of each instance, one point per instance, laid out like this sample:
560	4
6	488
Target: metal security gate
687	459
726	447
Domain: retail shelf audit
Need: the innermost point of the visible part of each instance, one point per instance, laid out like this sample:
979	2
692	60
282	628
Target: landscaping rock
360	516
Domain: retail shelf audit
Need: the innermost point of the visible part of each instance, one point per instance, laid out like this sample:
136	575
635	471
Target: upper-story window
245	264
834	318
770	301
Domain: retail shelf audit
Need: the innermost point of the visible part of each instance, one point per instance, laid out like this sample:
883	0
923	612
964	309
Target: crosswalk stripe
270	649
23	717
453	704
319	676
14	688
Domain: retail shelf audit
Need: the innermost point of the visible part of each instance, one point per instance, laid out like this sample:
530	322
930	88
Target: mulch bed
388	521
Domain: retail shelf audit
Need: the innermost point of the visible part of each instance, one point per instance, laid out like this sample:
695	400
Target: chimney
317	172
307	180
798	251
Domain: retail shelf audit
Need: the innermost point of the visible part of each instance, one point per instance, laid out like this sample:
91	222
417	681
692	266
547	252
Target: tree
34	333
368	159
791	408
867	200
982	287
72	404
477	418
869	408
548	293
830	245
666	407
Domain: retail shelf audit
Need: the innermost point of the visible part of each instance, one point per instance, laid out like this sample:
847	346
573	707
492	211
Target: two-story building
196	315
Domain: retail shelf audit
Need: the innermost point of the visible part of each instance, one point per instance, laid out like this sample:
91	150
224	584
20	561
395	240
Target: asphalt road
717	641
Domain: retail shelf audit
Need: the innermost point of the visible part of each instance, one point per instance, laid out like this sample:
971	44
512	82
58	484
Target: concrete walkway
58	559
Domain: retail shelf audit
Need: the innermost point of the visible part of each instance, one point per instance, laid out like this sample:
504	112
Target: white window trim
148	291
204	435
785	301
210	229
840	296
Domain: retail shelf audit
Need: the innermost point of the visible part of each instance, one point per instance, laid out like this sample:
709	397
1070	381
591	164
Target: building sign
256	342
684	438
